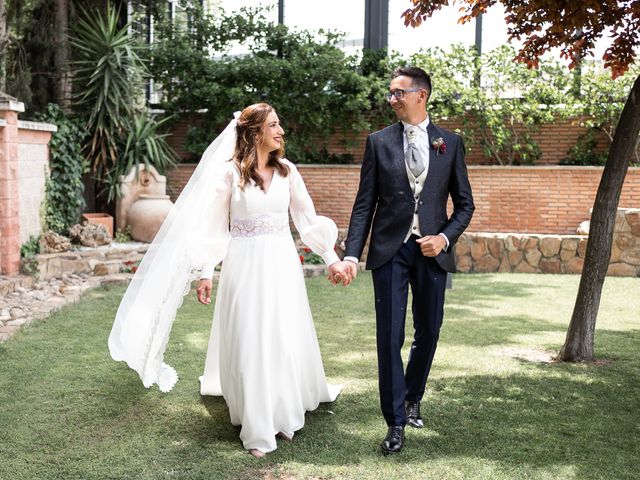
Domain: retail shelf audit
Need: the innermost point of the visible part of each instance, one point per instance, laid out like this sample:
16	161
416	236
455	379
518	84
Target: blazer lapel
433	132
396	147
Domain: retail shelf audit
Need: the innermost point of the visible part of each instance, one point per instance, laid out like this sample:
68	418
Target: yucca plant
108	75
143	143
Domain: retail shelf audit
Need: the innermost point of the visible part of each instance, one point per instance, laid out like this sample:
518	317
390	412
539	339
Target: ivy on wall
64	189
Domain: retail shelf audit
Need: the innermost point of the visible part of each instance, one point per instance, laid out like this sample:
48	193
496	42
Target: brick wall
554	139
24	156
547	200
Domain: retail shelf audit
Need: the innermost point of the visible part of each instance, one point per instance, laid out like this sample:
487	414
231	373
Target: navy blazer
385	204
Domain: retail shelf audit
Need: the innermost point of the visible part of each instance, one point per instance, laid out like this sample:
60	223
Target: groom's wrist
352	259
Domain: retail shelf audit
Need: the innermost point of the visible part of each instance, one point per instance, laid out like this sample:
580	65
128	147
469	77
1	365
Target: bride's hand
204	291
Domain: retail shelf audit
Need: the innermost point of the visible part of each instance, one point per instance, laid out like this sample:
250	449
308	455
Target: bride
263	354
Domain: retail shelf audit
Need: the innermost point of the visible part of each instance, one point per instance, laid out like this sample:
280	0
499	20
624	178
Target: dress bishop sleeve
211	243
317	232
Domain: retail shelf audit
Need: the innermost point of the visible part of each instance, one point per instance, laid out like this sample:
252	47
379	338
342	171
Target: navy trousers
391	286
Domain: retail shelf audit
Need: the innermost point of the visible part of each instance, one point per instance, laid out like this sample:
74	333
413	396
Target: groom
409	171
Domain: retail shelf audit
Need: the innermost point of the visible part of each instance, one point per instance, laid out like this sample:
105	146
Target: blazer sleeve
365	203
460	191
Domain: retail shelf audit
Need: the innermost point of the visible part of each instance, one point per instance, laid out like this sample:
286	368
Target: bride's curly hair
249	137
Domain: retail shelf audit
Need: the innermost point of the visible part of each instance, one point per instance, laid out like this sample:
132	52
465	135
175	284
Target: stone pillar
9	191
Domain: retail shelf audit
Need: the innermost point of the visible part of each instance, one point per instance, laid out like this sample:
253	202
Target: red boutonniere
438	145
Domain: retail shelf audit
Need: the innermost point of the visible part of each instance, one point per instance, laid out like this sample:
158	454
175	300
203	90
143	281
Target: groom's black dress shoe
413	414
394	440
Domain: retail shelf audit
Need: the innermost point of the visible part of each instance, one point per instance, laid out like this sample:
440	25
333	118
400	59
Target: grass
67	411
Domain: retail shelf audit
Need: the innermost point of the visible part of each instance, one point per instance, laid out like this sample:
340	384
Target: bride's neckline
267	186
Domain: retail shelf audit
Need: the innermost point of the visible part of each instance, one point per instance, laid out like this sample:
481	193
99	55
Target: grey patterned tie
412	156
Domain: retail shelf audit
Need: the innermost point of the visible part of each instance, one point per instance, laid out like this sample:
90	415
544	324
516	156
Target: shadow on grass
579	417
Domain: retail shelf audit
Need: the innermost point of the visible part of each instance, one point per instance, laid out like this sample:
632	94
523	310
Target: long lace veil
182	246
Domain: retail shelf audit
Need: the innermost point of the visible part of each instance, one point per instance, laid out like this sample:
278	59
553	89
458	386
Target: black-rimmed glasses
399	93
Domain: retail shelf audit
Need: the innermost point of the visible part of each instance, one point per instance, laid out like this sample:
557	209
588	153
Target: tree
312	84
502	114
574	27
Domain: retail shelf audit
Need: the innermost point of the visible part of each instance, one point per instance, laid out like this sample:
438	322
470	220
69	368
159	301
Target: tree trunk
579	344
61	55
4	37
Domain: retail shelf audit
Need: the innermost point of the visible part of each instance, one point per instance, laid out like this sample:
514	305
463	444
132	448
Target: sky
348	16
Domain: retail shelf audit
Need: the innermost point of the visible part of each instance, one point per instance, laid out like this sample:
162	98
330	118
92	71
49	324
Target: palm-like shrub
109	77
144	143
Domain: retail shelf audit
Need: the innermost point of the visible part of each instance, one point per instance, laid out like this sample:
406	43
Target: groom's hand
204	291
339	273
431	245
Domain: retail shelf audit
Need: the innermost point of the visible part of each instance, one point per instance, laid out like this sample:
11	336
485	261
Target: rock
566	255
583	228
463	264
10	329
515	258
16	312
626	241
574	265
461	248
622	270
17	323
512	243
533	256
487	264
52	242
496	247
570	244
615	252
582	247
633	219
632	216
631	256
550	246
478	247
531	243
621	222
108	267
90	234
504	267
524	267
550	265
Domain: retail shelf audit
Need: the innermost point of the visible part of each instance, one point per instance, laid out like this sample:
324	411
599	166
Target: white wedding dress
263	354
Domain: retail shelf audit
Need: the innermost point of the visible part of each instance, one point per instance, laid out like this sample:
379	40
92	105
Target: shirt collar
422	125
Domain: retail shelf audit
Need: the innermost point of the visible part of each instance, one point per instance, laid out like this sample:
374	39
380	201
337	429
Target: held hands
342	272
204	291
431	245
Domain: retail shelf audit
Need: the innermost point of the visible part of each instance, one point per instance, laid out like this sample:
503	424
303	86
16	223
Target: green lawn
67	411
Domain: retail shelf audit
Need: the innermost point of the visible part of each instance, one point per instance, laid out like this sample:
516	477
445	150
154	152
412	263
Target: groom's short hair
419	77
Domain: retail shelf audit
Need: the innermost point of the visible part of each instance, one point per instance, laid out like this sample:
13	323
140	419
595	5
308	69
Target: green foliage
144	144
600	105
31	247
312	84
503	111
123	236
586	151
28	252
64	189
111	70
108	75
311	258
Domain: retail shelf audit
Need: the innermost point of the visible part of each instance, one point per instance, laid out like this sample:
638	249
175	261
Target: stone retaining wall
98	261
532	253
